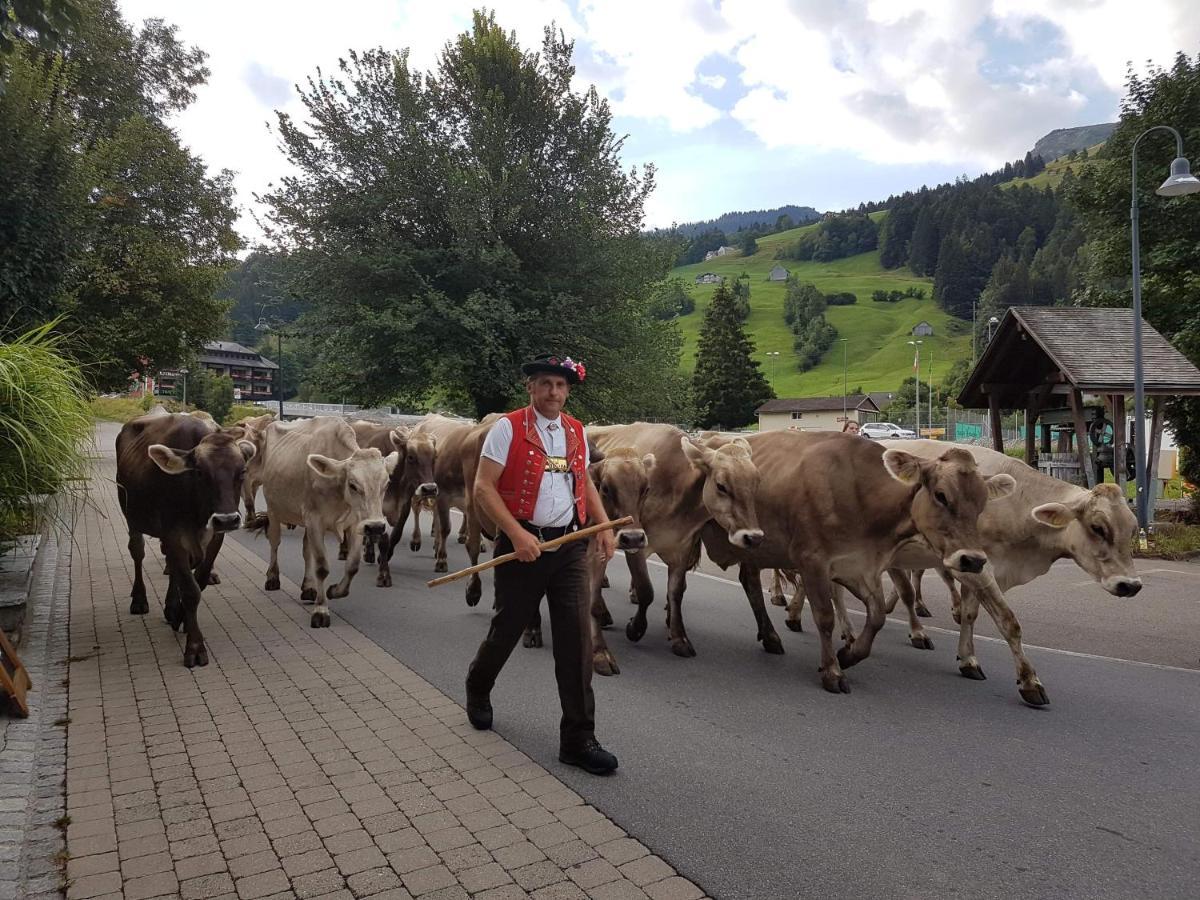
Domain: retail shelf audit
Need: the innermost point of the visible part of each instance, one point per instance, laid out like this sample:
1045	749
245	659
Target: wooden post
1156	428
1119	440
1047	432
1033	406
1081	438
994	422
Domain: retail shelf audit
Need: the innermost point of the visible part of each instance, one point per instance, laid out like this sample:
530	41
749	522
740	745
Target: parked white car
886	430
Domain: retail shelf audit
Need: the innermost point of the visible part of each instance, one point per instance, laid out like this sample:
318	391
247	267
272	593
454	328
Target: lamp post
1179	183
771	355
845	411
263	326
183	370
992	323
917	369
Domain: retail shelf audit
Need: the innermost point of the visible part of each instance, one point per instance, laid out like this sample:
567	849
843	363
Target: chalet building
253	374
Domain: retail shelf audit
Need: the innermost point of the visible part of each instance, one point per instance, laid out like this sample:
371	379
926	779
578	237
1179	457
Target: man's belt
547	533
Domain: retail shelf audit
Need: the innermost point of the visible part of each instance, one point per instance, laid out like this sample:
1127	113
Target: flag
917	361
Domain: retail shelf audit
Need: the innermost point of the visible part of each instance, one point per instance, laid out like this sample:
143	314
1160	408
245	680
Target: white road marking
980	637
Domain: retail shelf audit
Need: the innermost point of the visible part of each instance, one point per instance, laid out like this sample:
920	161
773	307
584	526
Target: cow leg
968	665
955	590
751	580
414	542
838	598
474	535
676	633
641	591
603	661
919	601
777	595
1028	685
368	554
138	604
533	631
194	651
353	560
819	590
870	591
316	570
462	532
249	490
343	546
204	572
441	514
916	634
274	533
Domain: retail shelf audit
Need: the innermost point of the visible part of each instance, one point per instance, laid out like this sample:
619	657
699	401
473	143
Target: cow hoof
369	554
835	684
414	546
173	616
474	593
975	673
337	592
272	583
682	647
214	578
778	600
771	643
845	659
635	629
956	616
923	611
383	579
633	598
440	566
604	582
320	620
138	606
197	657
605	619
532	639
921	641
604	663
1035	695
308	597
794	625
462	538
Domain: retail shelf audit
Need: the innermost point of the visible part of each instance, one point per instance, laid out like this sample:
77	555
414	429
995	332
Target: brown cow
179	481
690	484
253	428
316	476
841	510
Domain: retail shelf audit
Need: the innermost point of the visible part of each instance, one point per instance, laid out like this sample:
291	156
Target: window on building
797	415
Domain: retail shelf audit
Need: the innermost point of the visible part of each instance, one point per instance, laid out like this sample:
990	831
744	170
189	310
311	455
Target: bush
214	394
842	298
44	420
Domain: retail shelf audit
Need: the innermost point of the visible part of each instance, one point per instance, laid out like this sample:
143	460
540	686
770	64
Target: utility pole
845	412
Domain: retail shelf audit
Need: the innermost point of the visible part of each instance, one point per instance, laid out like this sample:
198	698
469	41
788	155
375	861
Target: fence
963	426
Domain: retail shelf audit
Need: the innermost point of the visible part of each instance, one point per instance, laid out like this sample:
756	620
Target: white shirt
556	497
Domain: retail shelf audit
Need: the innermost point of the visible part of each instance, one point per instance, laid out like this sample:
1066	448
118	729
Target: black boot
479	711
591	758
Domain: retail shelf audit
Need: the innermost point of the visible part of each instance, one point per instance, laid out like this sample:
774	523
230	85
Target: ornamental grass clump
44	421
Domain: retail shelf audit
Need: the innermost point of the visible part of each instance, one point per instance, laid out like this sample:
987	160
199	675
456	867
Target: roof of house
252	357
818	404
1089	349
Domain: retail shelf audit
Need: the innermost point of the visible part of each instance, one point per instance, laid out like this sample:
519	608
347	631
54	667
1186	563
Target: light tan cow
841	510
316	476
252	431
690	485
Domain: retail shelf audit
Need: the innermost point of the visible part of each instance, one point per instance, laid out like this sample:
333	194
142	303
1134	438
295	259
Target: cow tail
258	523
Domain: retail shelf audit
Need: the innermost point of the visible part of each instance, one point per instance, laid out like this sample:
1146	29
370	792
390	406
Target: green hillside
1052	175
877	355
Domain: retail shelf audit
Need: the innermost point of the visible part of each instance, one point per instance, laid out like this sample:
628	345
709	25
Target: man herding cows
832	511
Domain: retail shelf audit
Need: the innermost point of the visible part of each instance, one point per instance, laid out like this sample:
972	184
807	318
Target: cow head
360	480
216	467
950	496
622	478
730	485
1098	531
418	450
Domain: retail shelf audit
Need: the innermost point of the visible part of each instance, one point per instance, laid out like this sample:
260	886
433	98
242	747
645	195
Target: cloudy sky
742	104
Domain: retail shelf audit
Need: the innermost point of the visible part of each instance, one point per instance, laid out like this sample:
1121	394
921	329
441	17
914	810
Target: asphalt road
754	782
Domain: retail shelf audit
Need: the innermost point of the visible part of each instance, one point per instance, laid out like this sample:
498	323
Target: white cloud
716	82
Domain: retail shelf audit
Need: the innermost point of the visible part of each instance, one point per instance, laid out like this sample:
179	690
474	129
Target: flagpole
917	370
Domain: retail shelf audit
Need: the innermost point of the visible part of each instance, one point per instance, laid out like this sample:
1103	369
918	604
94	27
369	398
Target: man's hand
525	545
606	543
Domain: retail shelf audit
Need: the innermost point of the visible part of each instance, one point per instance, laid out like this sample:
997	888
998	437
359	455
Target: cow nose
226	521
374	529
429	489
1128	587
746	537
631	539
972	562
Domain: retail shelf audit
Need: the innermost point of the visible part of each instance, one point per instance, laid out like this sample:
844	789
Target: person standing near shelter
533	483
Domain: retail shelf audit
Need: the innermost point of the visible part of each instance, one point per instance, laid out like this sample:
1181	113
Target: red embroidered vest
521	480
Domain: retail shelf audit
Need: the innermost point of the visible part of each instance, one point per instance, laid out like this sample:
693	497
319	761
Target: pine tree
923	251
727	386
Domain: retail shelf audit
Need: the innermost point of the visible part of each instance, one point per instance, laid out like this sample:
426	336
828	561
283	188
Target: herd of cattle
825	511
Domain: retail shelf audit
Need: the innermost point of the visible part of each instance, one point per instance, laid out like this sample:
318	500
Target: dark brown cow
841	510
179	481
690	485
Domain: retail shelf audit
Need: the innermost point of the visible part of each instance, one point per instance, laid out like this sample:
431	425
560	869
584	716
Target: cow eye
941	498
722	489
1099	531
354	487
411	458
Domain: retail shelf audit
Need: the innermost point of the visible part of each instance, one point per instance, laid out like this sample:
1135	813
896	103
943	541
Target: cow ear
399	436
391	461
999	486
648	462
324	466
248	450
744	444
698	455
1056	515
904	467
173	462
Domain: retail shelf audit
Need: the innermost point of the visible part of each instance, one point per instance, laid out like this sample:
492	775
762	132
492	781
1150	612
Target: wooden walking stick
549	545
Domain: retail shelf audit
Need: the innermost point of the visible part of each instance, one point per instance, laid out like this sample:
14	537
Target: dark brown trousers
561	577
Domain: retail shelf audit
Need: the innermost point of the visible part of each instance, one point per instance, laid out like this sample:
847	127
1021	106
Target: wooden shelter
1043	359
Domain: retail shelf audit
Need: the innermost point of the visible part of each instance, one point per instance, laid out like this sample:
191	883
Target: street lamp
917	369
183	370
771	355
992	323
263	326
1178	184
845	411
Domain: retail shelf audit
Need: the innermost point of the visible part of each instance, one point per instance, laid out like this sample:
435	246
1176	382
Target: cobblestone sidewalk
299	762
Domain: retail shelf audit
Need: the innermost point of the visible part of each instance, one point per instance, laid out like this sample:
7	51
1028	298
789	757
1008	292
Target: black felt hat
555	364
